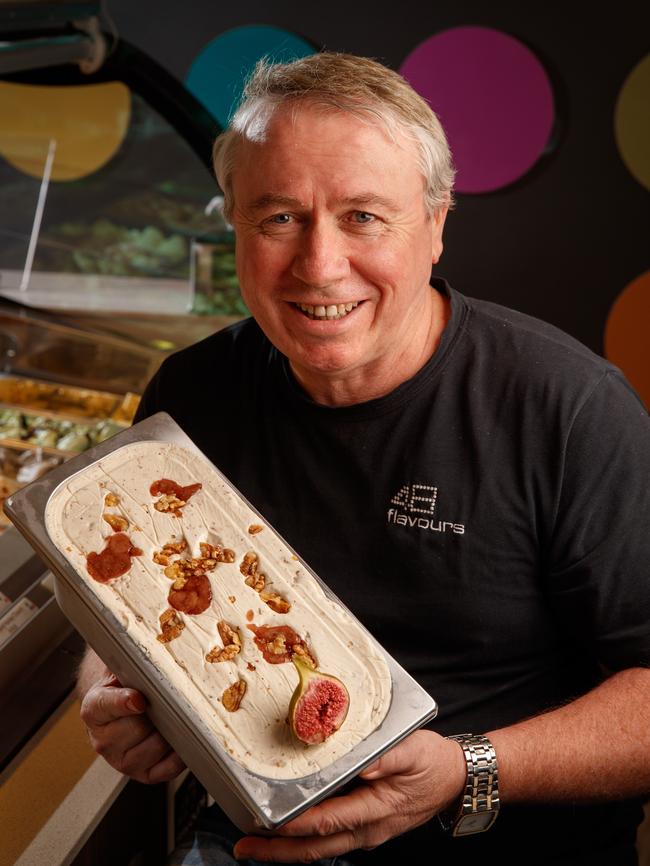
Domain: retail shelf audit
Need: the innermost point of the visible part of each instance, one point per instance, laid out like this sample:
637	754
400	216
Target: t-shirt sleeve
153	396
599	570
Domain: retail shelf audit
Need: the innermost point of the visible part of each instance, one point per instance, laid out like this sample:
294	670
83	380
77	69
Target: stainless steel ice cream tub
246	756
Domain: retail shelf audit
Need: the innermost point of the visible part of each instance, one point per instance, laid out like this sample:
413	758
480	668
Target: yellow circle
87	123
632	122
626	334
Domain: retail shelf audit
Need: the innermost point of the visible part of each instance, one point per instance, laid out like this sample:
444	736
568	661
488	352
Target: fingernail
239	853
135	703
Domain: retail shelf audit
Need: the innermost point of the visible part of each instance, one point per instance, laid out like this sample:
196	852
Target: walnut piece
249	564
231	640
256	581
302	652
171	624
169	503
173	571
222	654
182	569
111	500
228	634
232	697
174	547
116	522
278	645
248	567
254	528
276	602
216	552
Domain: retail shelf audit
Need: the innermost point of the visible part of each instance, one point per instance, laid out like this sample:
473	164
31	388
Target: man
471	482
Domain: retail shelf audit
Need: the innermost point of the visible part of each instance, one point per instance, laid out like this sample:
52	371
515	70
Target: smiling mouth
321	313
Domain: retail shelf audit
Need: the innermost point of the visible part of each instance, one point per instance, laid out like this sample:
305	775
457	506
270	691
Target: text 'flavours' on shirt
416	504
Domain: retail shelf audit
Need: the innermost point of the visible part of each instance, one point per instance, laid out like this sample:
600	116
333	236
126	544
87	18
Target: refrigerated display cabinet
104	270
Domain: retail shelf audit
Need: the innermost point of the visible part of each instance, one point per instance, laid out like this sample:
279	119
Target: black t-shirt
486	520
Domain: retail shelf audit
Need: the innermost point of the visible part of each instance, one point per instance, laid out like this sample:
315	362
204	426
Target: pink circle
493	98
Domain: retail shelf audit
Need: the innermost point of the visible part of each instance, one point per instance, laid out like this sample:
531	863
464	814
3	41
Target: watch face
474	823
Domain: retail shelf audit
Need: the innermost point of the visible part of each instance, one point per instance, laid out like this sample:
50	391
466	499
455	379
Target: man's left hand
406	787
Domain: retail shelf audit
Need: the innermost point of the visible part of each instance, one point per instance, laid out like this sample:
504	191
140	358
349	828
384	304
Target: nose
321	259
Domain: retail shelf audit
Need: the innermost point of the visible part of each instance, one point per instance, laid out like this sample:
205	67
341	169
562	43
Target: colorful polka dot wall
495	100
515	118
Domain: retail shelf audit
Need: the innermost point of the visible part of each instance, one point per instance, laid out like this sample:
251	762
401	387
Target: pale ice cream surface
257	734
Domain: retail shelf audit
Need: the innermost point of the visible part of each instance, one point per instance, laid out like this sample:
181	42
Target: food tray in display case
59	419
45	397
191	597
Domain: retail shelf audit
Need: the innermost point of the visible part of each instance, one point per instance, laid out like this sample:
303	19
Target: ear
437	226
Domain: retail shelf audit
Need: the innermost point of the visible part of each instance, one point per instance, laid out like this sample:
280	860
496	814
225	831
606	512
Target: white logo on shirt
419	499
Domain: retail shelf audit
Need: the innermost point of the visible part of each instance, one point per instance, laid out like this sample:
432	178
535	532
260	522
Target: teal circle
216	77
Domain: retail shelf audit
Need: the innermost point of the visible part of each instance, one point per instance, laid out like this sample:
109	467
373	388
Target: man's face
334	245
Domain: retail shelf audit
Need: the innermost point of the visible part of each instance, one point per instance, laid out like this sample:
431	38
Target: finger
303	850
372	772
120	734
103	705
143	755
390	764
399	760
166	769
351	812
134	747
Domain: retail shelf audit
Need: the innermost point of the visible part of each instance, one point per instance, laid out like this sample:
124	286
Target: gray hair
357	85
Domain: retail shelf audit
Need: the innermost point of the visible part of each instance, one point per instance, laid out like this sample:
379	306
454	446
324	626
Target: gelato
218	602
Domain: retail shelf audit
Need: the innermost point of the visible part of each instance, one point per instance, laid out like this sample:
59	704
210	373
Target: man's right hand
119	729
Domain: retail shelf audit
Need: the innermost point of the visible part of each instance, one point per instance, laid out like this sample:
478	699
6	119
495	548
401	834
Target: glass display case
113	248
113	253
106	205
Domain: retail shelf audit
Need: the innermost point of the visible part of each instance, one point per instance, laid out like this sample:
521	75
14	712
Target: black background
563	241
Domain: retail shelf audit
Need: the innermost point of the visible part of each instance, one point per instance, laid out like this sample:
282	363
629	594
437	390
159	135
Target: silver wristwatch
479	805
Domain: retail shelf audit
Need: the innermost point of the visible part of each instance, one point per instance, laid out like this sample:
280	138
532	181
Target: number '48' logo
416	497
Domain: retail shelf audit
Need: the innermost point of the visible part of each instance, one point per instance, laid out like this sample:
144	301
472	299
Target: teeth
333	311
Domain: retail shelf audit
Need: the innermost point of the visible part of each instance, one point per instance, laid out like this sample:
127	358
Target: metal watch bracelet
479	805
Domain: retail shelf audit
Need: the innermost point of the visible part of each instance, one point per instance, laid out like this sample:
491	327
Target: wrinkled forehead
277	127
318	129
312	152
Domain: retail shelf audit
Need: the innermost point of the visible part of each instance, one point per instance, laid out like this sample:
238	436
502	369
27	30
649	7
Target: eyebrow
270	199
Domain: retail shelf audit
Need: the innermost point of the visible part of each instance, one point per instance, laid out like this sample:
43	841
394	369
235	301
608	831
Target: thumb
402	758
103	705
385	766
135	702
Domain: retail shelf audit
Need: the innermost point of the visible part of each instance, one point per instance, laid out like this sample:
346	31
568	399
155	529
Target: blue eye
280	219
363	217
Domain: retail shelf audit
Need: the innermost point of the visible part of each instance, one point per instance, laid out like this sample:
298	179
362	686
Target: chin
325	365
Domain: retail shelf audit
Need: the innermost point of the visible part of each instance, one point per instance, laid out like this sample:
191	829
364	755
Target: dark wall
562	242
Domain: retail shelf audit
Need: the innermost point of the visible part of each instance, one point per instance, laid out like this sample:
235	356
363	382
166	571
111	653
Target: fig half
318	706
